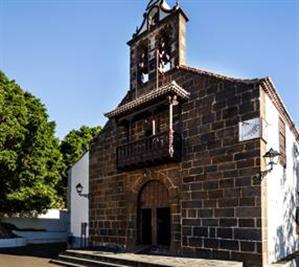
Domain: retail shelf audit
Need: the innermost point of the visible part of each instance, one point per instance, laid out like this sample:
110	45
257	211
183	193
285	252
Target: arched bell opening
142	64
163	43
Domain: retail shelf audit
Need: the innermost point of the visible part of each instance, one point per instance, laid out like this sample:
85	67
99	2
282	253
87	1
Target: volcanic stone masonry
210	189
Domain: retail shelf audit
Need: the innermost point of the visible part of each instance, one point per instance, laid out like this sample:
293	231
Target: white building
78	201
281	185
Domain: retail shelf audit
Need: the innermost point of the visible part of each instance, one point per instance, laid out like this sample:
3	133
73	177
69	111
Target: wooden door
163	227
153	199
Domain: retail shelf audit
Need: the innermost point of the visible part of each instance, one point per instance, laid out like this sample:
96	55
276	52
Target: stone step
140	260
139	249
84	261
107	257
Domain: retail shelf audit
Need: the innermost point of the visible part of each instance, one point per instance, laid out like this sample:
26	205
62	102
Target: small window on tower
142	65
153	17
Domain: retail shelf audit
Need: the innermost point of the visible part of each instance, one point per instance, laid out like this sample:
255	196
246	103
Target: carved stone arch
133	233
153	194
161	177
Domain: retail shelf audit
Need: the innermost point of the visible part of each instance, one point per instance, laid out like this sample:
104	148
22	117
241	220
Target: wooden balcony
149	151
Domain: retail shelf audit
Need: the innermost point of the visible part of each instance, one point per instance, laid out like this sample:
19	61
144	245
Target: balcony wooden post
171	150
157	68
172	102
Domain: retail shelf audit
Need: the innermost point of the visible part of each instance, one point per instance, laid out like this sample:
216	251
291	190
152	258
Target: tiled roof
217	75
172	87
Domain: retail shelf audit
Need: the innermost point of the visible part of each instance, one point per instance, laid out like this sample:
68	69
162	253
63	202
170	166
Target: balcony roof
170	89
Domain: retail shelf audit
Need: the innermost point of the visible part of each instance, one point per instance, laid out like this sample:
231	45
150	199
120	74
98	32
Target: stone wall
214	198
221	200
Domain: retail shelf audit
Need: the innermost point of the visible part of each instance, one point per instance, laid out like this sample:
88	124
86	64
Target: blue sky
72	54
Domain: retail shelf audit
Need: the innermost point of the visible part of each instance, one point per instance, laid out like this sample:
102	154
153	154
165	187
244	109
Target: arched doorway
154	218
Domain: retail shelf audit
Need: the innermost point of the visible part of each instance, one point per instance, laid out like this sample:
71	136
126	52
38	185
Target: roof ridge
219	75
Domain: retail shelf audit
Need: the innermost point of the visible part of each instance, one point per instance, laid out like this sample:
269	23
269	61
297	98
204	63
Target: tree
31	163
75	144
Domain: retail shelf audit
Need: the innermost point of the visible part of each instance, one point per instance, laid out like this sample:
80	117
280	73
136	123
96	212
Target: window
151	126
282	142
297	219
153	17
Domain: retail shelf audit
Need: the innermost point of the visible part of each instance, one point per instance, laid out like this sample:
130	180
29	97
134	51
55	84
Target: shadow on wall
286	239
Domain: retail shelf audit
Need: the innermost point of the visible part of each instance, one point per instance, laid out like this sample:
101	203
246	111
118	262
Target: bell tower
159	44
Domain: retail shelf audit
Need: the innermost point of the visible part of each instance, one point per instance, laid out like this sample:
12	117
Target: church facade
183	162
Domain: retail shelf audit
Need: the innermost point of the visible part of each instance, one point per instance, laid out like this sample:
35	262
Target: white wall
55	226
13	242
78	205
54	220
42	237
282	192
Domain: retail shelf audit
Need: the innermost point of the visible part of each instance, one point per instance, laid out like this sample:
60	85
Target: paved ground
161	260
30	256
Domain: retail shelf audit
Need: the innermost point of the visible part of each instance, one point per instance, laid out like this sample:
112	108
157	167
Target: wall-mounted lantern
79	188
272	157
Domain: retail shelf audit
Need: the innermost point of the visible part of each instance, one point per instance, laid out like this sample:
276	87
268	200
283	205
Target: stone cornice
171	88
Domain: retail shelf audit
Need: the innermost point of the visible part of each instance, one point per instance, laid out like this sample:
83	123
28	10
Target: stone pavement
30	256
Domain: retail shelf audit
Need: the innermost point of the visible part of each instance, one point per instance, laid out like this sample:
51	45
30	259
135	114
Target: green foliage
76	143
73	146
30	159
33	163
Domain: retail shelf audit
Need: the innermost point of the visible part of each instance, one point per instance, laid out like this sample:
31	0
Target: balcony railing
149	151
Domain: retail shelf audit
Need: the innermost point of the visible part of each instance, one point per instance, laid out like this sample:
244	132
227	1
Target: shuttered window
282	142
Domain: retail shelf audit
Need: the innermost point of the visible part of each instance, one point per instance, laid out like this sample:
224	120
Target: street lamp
272	156
79	188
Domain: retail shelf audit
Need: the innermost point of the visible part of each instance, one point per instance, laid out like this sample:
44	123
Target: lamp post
272	156
79	189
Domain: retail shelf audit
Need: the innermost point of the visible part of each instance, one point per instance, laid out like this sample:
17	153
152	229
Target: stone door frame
133	198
